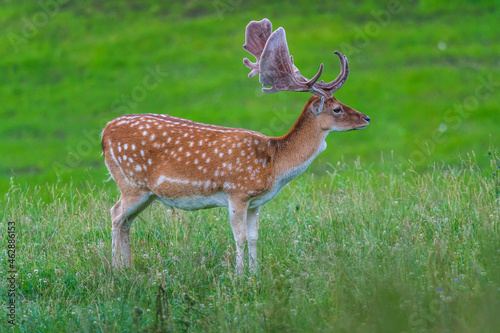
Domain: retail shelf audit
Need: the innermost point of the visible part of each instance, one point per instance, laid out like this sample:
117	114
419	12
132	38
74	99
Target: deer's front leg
252	236
238	217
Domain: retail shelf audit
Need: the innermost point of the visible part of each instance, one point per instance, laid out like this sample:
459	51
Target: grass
378	249
63	79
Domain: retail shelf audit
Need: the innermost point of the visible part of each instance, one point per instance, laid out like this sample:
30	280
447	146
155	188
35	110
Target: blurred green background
426	72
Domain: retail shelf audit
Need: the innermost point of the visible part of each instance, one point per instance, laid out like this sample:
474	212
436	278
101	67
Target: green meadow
380	249
392	229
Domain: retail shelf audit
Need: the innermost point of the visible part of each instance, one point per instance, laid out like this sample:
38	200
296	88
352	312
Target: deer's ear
318	105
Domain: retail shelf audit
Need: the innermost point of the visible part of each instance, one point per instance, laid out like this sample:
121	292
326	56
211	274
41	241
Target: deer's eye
337	110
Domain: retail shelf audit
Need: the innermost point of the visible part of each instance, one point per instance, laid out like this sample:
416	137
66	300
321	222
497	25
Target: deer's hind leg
122	215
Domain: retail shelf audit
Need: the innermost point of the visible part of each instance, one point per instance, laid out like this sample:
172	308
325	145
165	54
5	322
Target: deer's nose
367	118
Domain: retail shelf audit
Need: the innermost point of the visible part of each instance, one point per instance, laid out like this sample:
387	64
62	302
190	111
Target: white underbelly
197	202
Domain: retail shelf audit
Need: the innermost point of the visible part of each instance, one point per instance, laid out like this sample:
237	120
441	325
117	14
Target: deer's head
277	72
334	116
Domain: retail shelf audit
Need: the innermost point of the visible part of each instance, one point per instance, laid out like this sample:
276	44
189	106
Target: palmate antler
256	36
275	64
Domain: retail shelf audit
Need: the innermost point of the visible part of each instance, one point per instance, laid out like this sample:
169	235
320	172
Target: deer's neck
296	150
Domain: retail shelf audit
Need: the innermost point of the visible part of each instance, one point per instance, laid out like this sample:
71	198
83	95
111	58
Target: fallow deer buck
192	166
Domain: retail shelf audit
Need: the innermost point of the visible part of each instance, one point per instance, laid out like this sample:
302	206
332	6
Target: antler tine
314	79
333	86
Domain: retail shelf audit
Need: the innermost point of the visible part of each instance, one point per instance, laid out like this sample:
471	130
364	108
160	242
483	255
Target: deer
190	166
